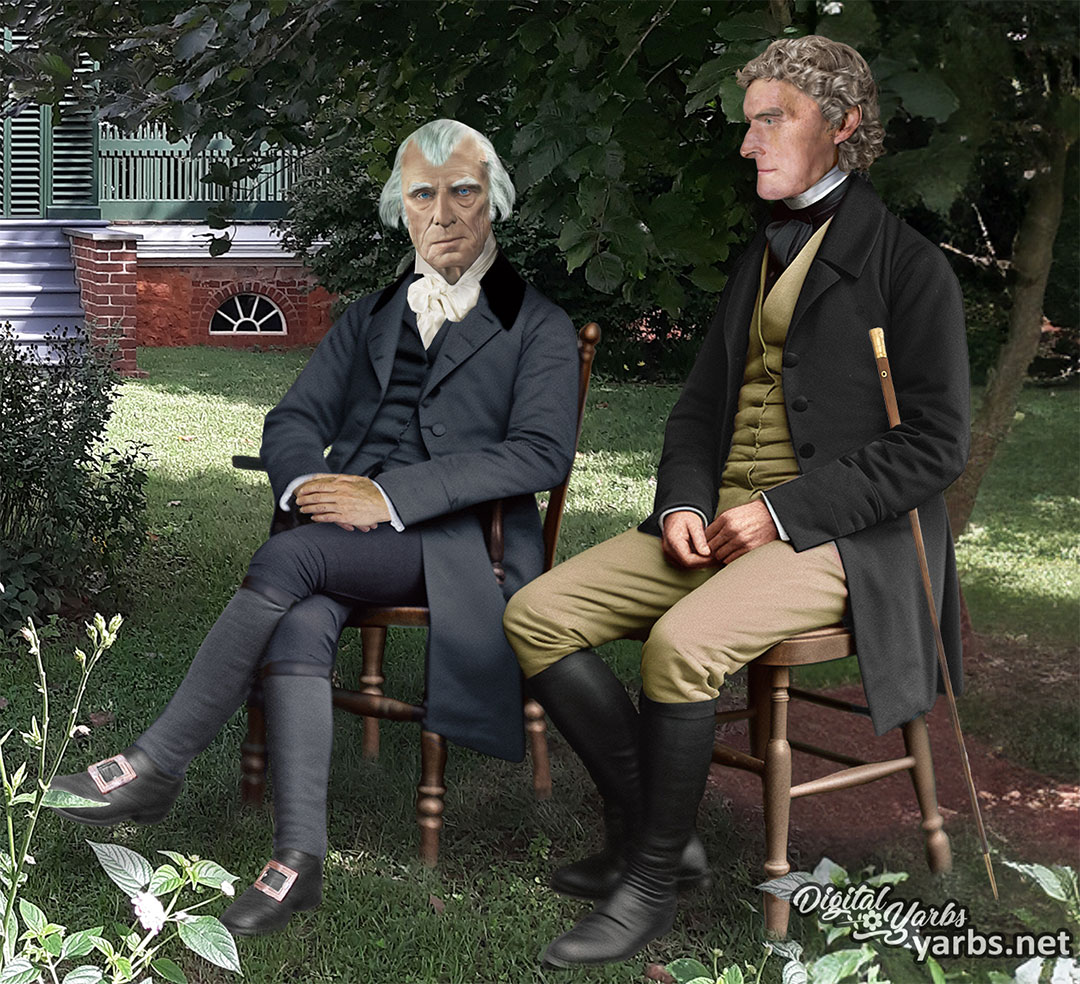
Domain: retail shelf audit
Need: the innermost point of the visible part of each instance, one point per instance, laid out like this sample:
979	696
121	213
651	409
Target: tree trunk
1033	252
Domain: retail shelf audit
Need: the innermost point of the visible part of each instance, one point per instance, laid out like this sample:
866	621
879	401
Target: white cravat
434	301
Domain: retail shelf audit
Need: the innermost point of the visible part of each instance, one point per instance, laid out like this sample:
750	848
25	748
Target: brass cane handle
877	339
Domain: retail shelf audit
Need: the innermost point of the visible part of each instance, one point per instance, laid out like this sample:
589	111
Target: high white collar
818	190
479	267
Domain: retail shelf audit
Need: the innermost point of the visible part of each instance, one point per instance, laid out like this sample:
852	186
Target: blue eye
463	192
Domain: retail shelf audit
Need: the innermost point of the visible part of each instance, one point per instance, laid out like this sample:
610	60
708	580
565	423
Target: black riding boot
676	743
591	709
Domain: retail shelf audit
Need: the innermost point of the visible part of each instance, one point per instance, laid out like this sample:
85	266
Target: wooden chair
769	691
369	701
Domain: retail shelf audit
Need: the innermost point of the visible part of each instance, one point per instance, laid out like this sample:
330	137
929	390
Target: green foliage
1058	883
47	946
71	508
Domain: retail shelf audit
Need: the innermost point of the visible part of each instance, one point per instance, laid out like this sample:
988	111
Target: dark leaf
195	41
604	273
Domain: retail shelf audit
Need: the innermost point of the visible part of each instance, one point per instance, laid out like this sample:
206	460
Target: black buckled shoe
596	876
129	786
290	882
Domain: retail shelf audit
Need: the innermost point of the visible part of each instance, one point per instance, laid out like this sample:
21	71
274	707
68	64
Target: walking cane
877	339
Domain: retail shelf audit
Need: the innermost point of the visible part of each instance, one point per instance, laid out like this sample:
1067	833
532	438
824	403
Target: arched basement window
247	314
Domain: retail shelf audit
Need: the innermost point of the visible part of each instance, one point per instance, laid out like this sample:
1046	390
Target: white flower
227	889
150	912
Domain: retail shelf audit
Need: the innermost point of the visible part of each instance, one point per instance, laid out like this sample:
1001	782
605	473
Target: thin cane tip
990	872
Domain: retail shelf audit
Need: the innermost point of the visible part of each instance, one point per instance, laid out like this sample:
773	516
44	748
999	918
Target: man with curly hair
780	497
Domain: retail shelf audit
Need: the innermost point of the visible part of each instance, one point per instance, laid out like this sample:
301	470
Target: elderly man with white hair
454	386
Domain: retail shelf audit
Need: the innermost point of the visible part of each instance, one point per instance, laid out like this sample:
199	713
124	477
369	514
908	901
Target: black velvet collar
501	285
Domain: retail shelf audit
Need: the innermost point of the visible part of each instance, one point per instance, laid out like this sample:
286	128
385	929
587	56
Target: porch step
31	256
44	278
38	292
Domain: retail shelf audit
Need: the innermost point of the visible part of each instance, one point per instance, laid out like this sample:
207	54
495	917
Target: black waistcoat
394	439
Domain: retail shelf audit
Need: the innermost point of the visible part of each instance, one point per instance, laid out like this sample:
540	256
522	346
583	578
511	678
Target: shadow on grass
259	379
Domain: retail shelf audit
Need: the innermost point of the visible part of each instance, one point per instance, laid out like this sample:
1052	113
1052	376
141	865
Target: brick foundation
175	303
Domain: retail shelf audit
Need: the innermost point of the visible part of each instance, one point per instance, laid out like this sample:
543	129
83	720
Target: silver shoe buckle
275	880
111	773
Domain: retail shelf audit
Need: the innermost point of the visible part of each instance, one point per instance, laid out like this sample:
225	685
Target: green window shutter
24	153
22	135
73	151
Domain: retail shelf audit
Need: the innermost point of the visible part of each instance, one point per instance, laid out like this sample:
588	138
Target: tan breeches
700	625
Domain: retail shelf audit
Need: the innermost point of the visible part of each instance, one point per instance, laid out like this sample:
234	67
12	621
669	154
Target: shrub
71	509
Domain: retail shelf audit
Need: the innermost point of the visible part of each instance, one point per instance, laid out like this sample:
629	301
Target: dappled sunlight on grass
1018	558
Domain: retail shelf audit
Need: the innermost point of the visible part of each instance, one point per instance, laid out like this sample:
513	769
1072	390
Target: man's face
789	139
447	207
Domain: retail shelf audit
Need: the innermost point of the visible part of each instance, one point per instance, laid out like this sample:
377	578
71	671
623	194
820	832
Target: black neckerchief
792	228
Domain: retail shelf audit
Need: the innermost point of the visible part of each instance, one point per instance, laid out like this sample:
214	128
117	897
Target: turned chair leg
373	645
917	743
253	752
536	728
758	700
777	794
430	795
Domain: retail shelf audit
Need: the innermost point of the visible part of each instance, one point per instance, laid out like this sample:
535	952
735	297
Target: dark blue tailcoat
498	416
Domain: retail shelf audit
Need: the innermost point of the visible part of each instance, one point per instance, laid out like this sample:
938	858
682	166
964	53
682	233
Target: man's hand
351	501
739	530
685	543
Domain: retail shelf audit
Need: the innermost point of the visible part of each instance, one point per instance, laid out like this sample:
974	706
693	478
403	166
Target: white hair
437	140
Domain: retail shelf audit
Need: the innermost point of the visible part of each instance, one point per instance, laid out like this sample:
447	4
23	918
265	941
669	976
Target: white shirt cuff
779	526
283	502
667	512
395	519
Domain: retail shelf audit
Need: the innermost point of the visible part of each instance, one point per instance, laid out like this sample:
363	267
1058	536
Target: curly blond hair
837	78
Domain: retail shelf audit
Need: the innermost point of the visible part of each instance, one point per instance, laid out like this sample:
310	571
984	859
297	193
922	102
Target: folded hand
685	544
351	501
739	530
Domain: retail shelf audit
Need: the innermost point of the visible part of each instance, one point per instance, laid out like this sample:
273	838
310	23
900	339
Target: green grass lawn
485	913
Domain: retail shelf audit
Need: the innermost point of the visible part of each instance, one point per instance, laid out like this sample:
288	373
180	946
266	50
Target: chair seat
389	615
817	646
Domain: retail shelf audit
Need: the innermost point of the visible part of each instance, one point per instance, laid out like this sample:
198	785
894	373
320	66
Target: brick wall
175	303
106	271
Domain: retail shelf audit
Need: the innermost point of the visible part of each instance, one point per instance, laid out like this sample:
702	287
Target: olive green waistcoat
761	455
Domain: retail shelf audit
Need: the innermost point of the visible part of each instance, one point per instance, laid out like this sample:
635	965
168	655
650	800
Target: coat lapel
463	339
502	292
382	336
849	241
744	295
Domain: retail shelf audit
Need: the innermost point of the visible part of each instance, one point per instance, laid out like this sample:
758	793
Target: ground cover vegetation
482	916
71	506
616	120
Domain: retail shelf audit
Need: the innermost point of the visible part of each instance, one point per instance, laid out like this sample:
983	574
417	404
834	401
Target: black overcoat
498	416
858	478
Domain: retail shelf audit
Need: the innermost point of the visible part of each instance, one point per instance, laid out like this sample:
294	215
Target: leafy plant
687	970
47	945
70	508
1060	884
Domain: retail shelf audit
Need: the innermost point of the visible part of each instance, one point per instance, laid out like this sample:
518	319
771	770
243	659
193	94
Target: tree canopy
620	121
